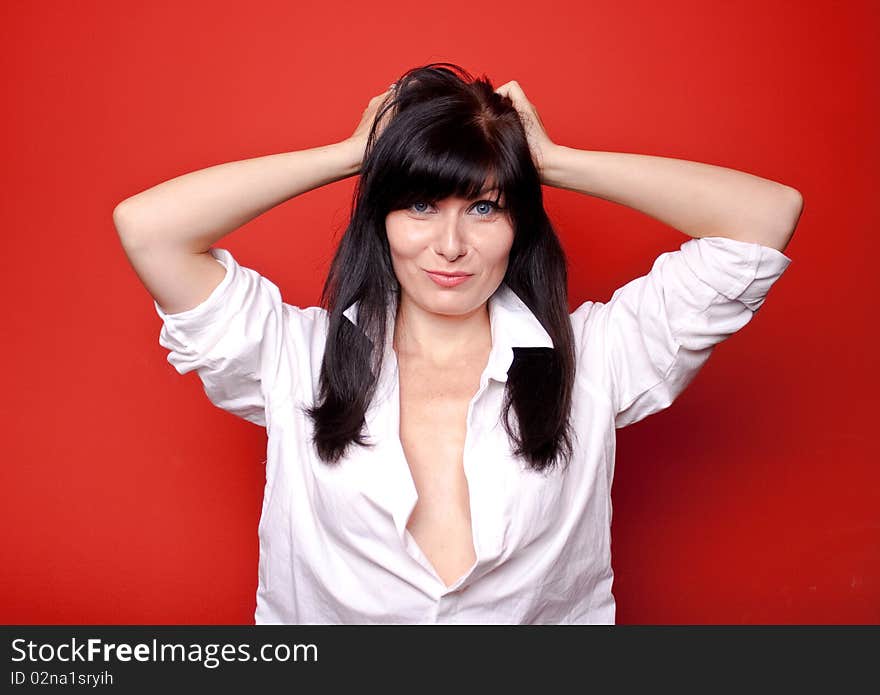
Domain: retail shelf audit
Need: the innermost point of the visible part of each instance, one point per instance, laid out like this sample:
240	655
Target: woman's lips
447	280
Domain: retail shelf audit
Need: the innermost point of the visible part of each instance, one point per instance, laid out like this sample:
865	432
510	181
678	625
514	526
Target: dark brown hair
445	133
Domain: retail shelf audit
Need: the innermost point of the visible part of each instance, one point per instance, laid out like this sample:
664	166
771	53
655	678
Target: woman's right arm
193	211
166	230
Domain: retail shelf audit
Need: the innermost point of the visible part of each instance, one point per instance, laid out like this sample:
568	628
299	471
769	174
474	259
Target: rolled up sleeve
649	341
233	339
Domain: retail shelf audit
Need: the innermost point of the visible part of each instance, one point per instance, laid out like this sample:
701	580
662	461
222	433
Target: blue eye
485	208
492	207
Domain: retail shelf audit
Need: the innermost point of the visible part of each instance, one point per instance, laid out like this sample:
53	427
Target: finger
512	91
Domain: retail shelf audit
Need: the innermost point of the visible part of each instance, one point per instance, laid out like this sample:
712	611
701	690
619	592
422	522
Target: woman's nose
450	241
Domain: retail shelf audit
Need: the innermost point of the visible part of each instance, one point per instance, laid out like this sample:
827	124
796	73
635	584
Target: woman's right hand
358	138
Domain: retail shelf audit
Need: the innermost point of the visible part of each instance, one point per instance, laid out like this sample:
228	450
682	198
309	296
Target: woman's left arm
698	199
695	198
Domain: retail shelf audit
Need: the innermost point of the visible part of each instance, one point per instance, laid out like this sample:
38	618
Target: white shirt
334	547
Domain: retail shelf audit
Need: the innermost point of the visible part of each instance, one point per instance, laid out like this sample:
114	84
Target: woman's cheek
406	239
503	242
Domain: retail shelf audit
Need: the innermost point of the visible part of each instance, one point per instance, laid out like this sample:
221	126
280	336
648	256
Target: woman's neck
440	339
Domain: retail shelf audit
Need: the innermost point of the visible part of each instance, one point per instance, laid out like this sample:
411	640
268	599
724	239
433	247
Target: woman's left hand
540	144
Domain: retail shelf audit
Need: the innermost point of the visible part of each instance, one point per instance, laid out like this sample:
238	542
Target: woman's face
456	236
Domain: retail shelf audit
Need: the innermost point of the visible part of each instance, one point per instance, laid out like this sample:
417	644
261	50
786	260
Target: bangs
464	166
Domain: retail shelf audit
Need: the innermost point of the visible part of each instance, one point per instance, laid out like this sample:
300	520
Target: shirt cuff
740	270
201	315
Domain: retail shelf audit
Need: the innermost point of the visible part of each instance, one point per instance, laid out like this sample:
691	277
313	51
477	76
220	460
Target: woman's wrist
558	163
351	154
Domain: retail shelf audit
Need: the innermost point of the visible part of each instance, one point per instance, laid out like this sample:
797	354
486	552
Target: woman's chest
434	407
437	440
434	410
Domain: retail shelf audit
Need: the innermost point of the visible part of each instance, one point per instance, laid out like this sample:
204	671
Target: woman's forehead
489	192
484	194
441	187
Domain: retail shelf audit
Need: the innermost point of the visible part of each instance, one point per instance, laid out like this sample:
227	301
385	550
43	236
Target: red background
128	498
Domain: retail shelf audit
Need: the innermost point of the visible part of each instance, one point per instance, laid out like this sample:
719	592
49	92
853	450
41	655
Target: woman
441	431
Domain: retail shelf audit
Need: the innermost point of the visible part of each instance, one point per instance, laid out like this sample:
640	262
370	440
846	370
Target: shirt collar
512	324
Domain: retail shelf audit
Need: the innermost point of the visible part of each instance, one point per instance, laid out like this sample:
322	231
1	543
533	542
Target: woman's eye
486	207
416	207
